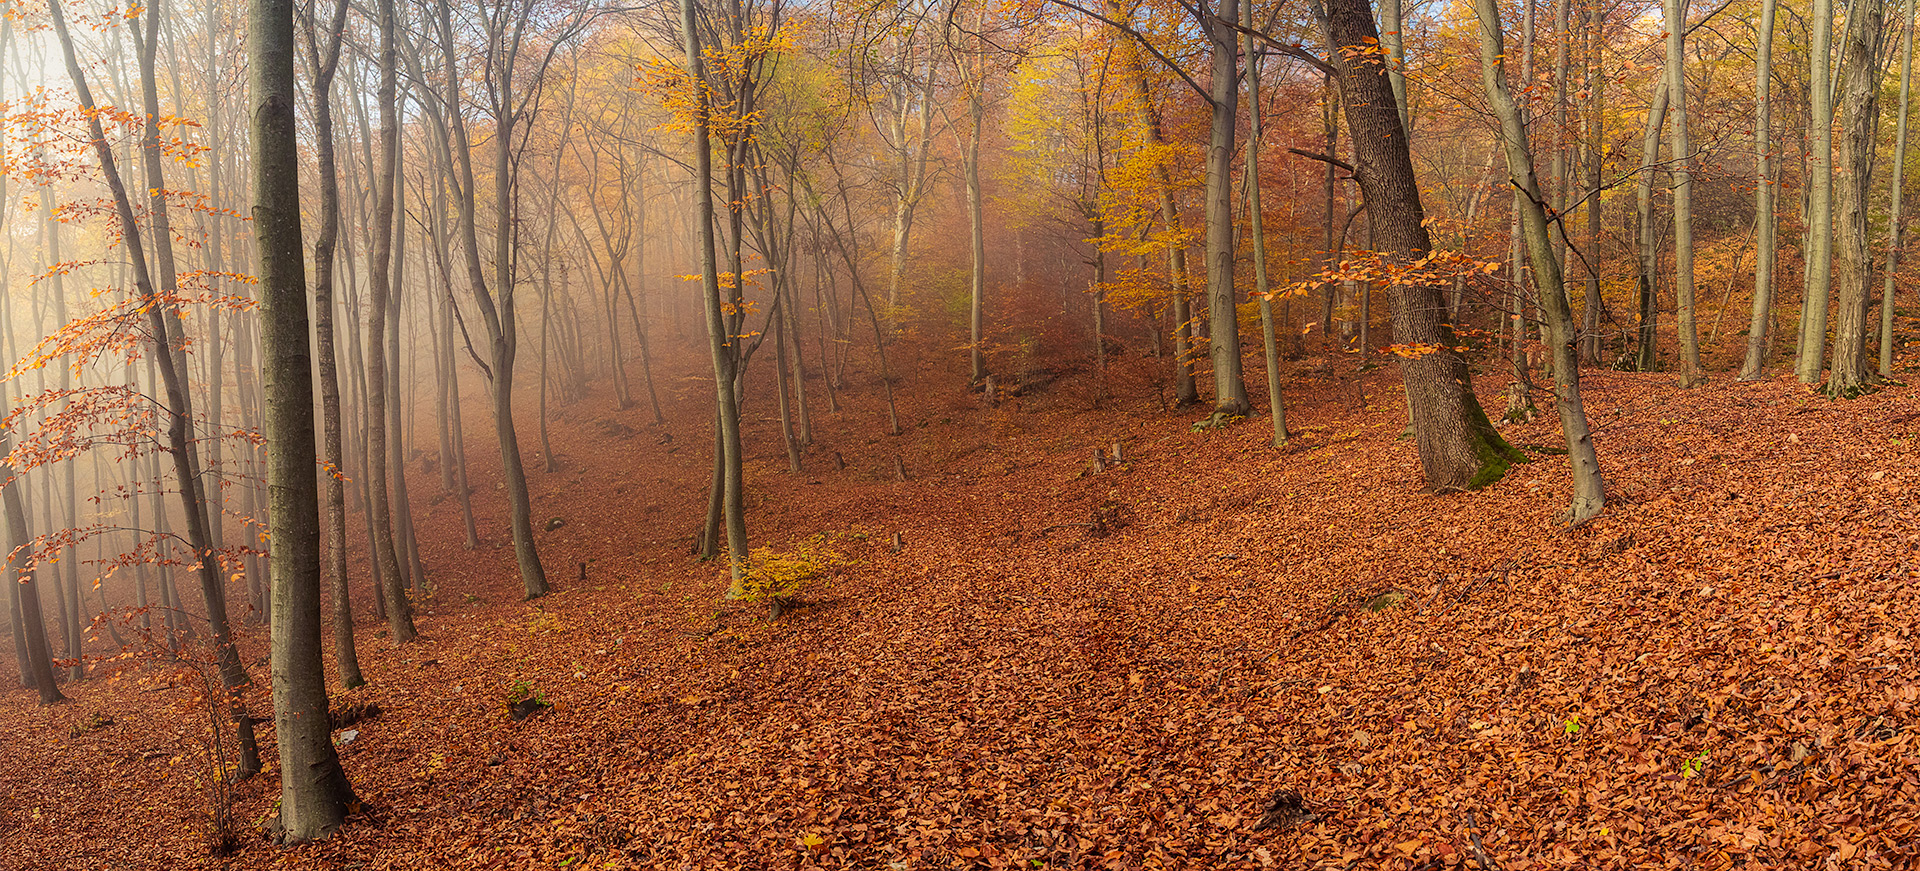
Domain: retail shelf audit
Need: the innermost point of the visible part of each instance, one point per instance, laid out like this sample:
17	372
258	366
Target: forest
1118	434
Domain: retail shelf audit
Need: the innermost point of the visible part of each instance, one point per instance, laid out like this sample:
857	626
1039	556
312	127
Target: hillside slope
1717	673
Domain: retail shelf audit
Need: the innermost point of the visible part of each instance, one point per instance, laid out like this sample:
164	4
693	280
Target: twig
1479	851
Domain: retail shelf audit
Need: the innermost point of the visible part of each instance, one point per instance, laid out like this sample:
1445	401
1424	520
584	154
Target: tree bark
1862	64
1680	152
1589	491
1810	356
379	288
1459	448
1766	248
1896	224
314	793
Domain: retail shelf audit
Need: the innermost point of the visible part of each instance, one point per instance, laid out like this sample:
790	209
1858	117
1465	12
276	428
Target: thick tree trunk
1223	321
30	627
1862	64
314	793
1589	492
1459	448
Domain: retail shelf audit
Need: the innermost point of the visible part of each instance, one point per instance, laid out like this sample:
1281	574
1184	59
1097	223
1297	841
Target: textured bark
1223	321
1459	448
314	793
1862	65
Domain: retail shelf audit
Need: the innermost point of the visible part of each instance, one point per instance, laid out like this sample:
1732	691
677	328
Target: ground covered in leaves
1064	668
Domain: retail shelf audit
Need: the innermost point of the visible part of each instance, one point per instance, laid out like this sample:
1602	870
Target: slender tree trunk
1648	262
1680	152
1811	353
1896	222
177	409
1593	344
324	60
1589	492
314	793
1759	332
380	268
1256	229
719	342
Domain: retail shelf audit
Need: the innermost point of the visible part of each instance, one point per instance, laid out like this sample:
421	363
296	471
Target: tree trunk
1818	245
314	792
1680	153
1256	231
719	342
1648	263
379	288
1766	248
1589	492
1862	63
324	60
176	410
1896	224
1223	321
1459	448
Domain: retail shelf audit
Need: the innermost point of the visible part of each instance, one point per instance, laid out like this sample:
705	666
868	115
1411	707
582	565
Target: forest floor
1719	672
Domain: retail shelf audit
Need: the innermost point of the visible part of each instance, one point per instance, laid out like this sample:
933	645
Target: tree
1818	245
1459	448
314	793
1759	327
380	288
1862	63
324	60
1680	152
168	353
1589	492
1896	224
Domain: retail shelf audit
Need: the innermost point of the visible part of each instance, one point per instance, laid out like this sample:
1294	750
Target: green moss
1496	456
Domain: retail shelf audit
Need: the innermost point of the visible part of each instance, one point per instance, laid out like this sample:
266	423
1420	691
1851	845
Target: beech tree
314	793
